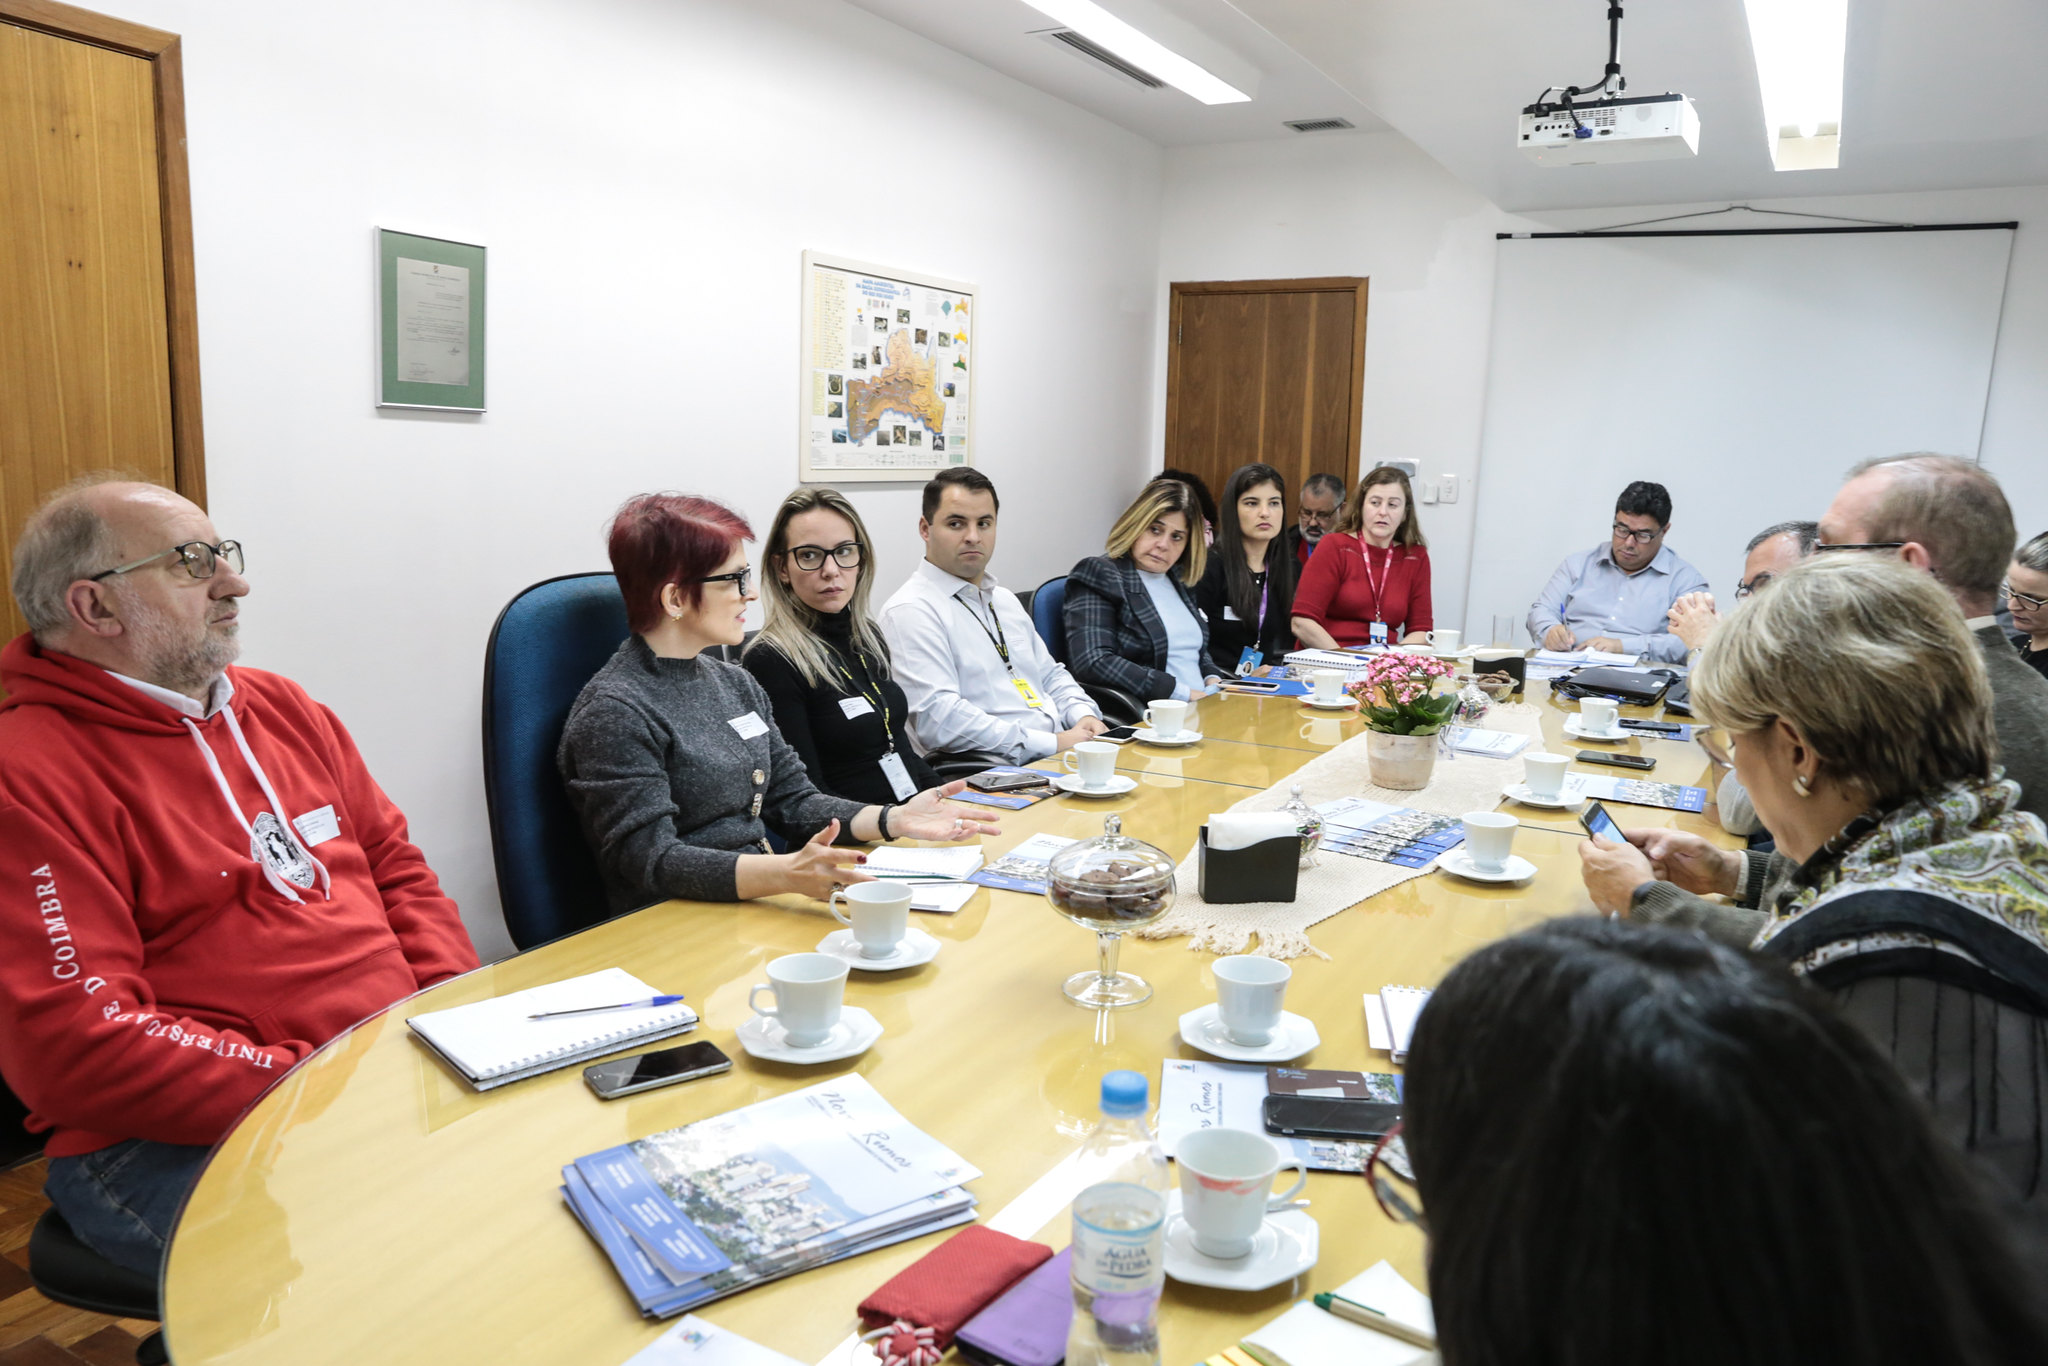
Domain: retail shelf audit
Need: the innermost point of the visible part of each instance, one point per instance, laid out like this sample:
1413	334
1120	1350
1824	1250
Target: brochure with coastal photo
1023	869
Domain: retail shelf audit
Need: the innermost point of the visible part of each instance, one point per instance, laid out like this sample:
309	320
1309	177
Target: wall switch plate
1448	489
1429	493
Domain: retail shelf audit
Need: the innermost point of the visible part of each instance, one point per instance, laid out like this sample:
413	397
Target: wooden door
98	340
1270	370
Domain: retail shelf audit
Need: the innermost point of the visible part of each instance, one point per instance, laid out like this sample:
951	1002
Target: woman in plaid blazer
1131	618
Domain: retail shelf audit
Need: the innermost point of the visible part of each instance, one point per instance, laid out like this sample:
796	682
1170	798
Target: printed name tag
748	726
1249	660
1378	633
317	827
898	775
857	706
1230	613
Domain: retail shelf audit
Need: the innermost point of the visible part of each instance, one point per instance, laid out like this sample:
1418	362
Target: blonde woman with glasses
822	660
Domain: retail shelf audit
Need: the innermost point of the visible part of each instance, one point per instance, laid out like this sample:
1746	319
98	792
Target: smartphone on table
998	781
1329	1117
1594	756
1598	822
662	1067
1116	735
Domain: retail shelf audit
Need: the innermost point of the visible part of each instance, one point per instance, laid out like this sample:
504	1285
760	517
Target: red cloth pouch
916	1312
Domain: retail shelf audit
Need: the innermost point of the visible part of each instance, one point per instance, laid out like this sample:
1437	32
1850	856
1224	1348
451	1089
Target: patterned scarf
1964	843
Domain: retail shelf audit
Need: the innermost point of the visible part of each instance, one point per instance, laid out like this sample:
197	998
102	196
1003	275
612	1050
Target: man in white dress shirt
970	661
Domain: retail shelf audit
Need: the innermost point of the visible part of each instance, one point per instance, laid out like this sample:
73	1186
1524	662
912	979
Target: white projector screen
1743	373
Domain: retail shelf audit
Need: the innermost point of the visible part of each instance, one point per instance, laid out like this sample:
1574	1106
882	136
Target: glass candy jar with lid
1308	821
1109	884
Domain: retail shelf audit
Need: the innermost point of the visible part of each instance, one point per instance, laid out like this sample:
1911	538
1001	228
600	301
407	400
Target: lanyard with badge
1377	631
1031	695
873	696
1253	656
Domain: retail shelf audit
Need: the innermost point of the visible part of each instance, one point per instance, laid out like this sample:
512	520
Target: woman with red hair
671	757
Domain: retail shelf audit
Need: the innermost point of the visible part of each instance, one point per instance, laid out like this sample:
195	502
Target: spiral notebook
493	1042
1390	1016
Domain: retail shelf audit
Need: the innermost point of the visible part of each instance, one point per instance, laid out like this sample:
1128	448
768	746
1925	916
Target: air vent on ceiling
1102	56
1318	125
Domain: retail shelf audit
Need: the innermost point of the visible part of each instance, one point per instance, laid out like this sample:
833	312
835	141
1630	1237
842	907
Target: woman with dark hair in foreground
1635	1145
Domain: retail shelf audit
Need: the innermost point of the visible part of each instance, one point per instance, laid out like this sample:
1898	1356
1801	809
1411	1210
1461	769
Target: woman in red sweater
1372	570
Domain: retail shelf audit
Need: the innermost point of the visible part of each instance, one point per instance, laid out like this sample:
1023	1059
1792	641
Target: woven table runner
1339	881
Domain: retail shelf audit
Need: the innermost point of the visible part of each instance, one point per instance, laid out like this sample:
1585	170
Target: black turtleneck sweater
842	753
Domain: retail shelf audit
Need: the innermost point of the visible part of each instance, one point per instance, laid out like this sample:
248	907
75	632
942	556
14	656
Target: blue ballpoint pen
622	1005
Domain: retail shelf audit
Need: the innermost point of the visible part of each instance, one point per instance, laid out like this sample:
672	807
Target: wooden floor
34	1331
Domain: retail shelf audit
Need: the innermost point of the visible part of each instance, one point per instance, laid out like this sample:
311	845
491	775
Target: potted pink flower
1405	700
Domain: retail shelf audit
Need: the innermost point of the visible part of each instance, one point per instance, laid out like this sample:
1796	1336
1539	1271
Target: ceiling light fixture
1799	47
1099	26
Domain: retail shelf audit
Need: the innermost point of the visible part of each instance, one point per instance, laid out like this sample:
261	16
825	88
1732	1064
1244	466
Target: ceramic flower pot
1401	762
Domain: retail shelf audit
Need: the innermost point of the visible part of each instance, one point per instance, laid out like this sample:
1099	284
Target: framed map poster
885	373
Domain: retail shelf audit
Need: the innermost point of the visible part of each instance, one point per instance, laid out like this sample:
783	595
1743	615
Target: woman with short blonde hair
1132	624
1906	880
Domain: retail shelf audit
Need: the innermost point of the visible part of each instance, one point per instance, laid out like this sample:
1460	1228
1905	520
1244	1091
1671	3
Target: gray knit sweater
667	787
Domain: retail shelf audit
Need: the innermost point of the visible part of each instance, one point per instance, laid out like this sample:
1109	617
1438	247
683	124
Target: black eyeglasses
742	579
1745	587
1393	1183
2026	600
1857	545
200	559
1639	537
811	557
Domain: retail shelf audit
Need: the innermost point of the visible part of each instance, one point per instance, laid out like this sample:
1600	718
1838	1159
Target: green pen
1376	1319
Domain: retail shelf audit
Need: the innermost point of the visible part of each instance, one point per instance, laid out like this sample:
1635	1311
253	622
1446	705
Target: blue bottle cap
1123	1094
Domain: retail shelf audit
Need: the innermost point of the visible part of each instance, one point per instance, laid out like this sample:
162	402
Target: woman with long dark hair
1247	588
1633	1145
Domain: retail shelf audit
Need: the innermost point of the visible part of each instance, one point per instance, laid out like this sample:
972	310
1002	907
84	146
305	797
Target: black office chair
544	647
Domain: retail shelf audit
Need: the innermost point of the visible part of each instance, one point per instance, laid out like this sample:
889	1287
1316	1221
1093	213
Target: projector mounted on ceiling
1573	130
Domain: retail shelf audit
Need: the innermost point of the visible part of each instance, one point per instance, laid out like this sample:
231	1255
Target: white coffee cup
1167	718
1599	715
1446	641
1329	684
1489	839
878	912
1250	989
1094	760
1544	773
809	989
1226	1188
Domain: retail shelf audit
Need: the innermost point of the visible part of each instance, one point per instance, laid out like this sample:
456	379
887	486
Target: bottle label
1119	1236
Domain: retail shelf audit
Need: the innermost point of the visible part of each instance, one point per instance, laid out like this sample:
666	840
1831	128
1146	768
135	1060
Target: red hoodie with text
190	906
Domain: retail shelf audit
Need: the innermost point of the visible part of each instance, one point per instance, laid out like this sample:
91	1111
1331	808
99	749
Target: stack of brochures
498	1041
701	1212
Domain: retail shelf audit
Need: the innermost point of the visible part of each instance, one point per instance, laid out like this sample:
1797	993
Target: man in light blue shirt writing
1617	597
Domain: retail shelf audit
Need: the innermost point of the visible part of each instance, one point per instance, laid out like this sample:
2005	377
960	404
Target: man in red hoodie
200	883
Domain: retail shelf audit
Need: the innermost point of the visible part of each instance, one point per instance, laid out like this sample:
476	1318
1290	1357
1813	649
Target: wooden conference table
373	1208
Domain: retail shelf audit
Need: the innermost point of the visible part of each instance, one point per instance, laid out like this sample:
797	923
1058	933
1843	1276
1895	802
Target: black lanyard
995	637
878	696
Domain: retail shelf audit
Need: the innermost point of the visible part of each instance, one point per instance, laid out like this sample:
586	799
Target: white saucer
1341	704
855	1033
1285	1246
1457	861
1071	782
1519	792
1203	1028
1147	735
913	950
1577	730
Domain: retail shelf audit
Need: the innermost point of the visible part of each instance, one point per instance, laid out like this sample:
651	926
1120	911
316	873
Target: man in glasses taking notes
1617	597
200	883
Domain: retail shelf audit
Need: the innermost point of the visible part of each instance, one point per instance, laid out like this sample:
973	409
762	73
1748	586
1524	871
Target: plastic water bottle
1120	1235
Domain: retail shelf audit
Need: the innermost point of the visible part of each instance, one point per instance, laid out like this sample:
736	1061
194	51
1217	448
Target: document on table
1494	744
1557	663
1308	1336
694	1342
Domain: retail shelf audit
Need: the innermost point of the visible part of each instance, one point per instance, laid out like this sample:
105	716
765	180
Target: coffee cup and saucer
1091	771
878	937
1542	782
1486	855
1599	718
1225	1227
1166	723
1329	691
809	1022
1246	1023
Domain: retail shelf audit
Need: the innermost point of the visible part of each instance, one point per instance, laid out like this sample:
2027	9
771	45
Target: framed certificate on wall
430	323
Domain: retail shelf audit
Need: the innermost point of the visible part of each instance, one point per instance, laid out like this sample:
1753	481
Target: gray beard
182	663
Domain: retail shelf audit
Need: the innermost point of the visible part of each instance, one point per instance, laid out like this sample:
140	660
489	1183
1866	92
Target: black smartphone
1598	822
1250	685
995	781
1653	727
662	1067
1329	1117
1116	735
1594	756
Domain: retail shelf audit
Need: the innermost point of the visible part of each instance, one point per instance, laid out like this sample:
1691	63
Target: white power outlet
1448	489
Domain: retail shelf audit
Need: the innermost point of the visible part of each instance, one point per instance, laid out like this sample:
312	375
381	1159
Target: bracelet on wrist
882	819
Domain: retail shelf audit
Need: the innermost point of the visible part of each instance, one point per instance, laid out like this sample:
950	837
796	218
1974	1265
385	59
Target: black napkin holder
1265	871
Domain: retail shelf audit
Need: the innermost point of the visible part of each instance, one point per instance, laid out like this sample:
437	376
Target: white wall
645	176
1374	204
